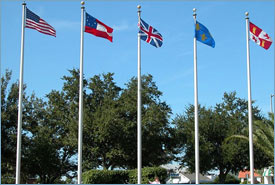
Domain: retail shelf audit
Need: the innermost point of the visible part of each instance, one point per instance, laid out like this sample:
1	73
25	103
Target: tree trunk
222	175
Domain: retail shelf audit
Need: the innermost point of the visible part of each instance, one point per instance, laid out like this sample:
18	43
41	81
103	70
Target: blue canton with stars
90	21
32	16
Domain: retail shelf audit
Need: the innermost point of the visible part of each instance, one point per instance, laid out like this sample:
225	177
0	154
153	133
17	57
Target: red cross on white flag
259	36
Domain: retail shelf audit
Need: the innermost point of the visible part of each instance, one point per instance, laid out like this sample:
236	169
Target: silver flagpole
197	155
274	113
249	103
139	148
80	120
274	103
271	111
19	126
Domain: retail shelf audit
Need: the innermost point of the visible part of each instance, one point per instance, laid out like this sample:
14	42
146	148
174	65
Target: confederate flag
97	28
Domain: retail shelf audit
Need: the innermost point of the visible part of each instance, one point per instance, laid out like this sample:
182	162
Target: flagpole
139	108
197	156
249	103
274	101
19	126
274	112
80	120
271	111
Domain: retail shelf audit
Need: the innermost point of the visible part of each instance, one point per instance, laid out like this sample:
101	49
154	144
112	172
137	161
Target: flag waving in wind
203	35
33	21
98	28
150	34
259	36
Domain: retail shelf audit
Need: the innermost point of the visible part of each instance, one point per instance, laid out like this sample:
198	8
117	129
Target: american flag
150	34
33	21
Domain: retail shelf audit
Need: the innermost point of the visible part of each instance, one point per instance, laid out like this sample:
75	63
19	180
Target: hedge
148	174
230	179
123	176
105	177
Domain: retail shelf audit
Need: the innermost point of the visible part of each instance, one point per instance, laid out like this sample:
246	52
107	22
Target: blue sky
220	69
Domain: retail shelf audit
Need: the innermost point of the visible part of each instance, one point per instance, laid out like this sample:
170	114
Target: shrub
105	177
7	179
148	174
123	176
244	182
230	179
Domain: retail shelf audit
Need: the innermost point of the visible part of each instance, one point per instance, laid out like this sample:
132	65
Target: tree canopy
50	130
216	125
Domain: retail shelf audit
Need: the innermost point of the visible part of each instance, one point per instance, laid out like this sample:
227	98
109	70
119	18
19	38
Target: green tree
58	132
102	129
100	121
157	132
50	128
110	138
9	113
45	155
215	126
110	126
263	137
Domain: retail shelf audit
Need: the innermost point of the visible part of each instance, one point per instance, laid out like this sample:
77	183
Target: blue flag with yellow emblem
203	35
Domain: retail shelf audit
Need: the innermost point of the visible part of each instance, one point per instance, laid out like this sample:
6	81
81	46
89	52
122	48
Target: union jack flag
150	34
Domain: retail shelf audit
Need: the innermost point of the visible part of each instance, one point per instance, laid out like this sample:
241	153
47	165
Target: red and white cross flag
259	36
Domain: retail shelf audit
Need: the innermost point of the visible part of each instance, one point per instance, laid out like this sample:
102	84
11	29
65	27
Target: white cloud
181	76
121	27
64	24
185	53
176	77
124	26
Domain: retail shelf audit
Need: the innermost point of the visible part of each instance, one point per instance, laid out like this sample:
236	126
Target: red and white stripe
42	27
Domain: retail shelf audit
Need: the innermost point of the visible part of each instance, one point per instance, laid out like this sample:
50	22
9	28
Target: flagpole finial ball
82	2
194	10
246	13
138	6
